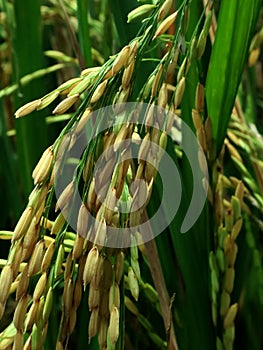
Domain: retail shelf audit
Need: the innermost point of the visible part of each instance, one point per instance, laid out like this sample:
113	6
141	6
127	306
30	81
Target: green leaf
236	23
83	25
27	58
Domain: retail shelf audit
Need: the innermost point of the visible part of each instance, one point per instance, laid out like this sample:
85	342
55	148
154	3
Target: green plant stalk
28	78
229	53
27	57
83	30
8	175
120	10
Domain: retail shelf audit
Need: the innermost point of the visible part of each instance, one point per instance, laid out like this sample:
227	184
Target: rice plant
140	225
